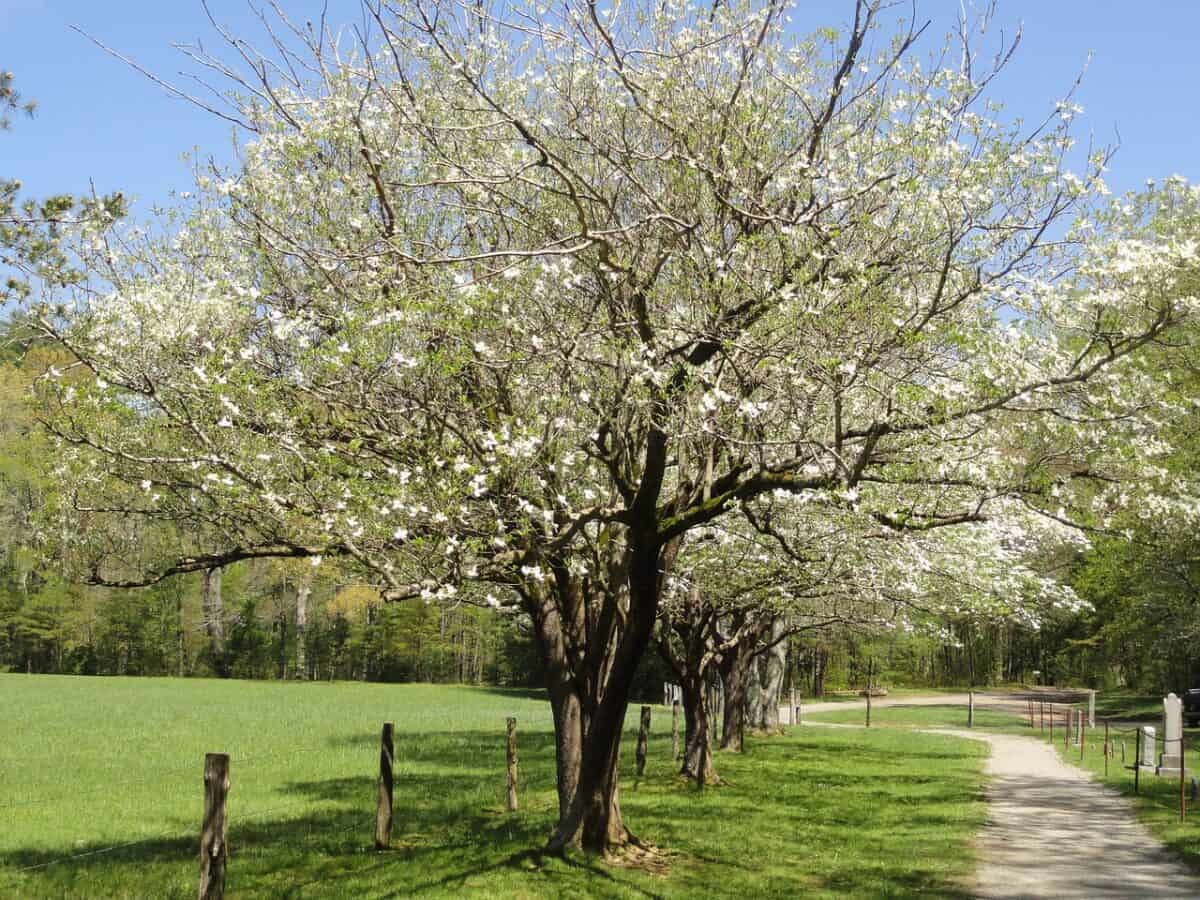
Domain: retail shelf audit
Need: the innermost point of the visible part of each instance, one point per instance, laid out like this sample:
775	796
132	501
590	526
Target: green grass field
1122	704
90	764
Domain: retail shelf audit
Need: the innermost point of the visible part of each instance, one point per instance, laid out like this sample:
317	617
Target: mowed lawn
109	771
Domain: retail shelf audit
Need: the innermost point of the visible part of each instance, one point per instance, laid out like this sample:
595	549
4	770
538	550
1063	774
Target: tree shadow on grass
786	824
516	693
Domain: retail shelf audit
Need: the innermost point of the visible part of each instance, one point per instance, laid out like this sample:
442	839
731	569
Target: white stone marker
1172	732
1148	746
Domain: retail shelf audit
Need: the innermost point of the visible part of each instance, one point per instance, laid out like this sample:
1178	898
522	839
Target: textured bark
587	750
686	643
697	733
754	694
214	851
773	670
592	634
385	800
735	677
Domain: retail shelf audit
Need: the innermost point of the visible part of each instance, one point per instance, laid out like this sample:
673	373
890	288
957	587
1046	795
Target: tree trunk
820	660
697	732
774	669
213	608
735	678
303	589
754	693
588	718
592	628
586	754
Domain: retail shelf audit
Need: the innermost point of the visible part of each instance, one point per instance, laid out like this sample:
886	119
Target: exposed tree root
638	854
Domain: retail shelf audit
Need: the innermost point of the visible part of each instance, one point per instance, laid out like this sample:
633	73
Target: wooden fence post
1137	759
1082	734
643	739
512	764
1182	769
868	704
383	807
970	709
1107	748
214	852
1051	723
675	730
792	717
1042	713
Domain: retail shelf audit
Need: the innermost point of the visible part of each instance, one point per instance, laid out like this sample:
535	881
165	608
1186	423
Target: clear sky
100	120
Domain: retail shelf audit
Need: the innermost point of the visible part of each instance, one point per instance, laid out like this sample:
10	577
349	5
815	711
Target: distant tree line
48	626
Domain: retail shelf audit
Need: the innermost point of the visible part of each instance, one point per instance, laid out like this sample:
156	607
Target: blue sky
101	121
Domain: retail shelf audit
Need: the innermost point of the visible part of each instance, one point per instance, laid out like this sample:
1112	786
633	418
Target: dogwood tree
508	299
796	565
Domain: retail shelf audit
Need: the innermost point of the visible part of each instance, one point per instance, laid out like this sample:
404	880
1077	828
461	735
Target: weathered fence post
675	729
643	739
970	709
1051	723
1107	748
870	683
512	764
792	717
383	808
1082	734
1091	709
1137	759
214	852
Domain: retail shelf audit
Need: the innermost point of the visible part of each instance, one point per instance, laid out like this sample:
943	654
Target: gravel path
1054	832
879	702
1051	830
